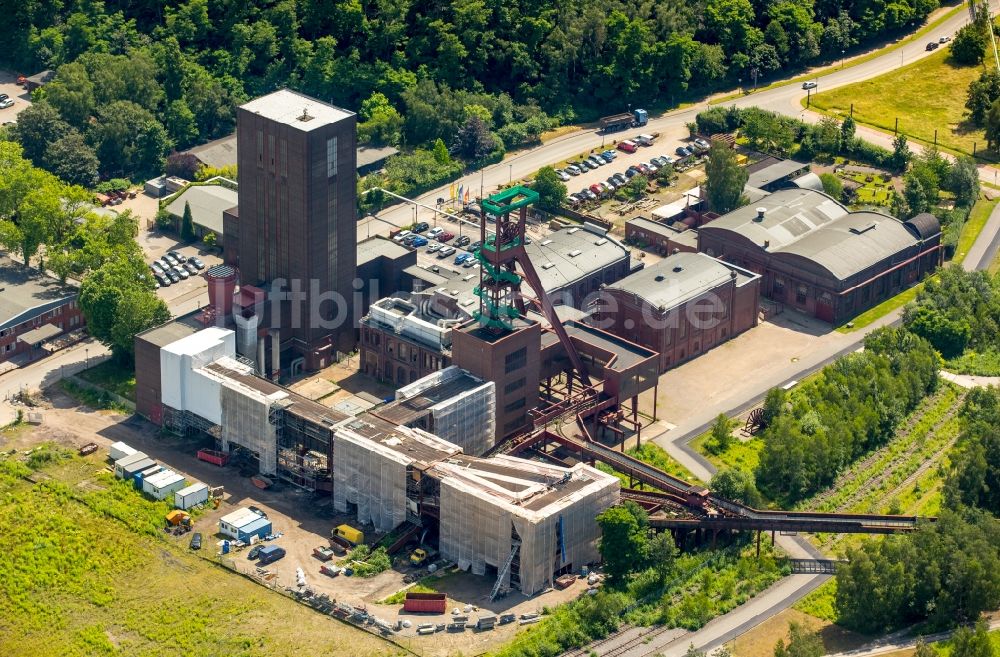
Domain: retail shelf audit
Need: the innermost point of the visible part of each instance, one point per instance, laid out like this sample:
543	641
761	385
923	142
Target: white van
644	140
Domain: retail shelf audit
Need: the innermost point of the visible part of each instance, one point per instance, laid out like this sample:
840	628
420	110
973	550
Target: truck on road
634	119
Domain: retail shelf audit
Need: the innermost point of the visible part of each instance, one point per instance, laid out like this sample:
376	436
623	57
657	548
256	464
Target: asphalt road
785	99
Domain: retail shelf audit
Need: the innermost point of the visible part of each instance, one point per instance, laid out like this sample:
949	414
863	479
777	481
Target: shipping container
191	496
425	603
213	456
120	450
163	483
125	461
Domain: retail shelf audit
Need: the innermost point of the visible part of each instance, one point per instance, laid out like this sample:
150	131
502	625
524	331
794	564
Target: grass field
112	377
973	226
87	571
927	95
881	310
742	455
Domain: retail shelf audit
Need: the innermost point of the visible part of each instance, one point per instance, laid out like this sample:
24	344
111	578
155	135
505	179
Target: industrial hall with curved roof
817	256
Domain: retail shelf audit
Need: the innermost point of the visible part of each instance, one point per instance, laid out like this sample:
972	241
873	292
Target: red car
445	236
627	146
597	189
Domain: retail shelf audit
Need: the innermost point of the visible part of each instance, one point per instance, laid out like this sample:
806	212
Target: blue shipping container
260	528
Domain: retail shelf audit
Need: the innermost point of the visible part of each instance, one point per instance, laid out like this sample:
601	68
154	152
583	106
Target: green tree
129	139
71	93
949	336
210	240
187	224
180	123
551	190
827	135
832	185
721	436
973	642
901	153
635	188
924	649
441	155
982	93
381	123
38	126
736	485
992	126
117	300
725	178
963	181
662	553
847	131
968	48
915	194
474	141
72	159
624	543
802	642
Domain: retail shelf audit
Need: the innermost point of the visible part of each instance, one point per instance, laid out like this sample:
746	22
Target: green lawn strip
973	226
743	455
112	377
881	310
92	398
853	62
985	363
655	456
820	603
925	96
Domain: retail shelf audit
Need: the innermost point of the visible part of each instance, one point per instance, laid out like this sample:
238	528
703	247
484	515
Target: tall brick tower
297	225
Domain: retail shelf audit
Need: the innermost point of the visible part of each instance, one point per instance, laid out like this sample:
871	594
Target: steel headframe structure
499	289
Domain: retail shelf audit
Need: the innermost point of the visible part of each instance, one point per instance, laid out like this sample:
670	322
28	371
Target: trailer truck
634	119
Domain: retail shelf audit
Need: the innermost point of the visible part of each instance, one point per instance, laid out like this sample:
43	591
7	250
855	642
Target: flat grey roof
653	226
378	247
761	176
371	154
26	293
217	153
628	354
289	107
174	330
812	225
680	278
207	202
574	253
404	411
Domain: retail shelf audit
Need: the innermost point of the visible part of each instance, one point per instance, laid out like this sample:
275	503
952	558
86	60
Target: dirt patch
759	642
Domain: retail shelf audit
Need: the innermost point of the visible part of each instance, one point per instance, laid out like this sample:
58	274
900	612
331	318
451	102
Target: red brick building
34	309
680	307
820	258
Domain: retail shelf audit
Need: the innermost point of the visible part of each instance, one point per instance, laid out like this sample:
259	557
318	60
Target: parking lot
21	98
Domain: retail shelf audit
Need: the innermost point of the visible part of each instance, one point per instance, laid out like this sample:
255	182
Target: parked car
651	166
176	254
155	266
585	165
590	196
254	552
4	104
183	273
631	172
463	240
475	246
162	280
419	242
164	265
944	39
701	143
4	97
258	511
434	232
195	541
173	276
810	84
401	236
197	262
270	554
190	268
682	152
563	176
462	257
933	45
421	227
610	154
596	161
612	184
434	246
169	259
620	178
445	236
572	170
597	189
470	263
604	156
627	146
445	252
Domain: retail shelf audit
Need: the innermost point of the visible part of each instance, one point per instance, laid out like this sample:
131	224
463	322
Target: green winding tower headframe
499	289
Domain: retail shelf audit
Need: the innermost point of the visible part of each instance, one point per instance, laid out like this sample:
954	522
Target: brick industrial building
34	308
296	220
818	257
680	307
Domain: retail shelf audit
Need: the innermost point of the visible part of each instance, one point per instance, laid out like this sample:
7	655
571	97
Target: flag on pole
460	192
465	199
452	191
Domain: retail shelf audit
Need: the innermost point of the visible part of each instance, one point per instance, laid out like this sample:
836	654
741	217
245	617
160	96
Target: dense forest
139	77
